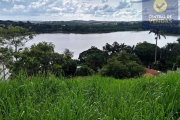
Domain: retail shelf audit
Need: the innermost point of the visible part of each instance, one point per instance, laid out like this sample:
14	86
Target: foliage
41	59
115	69
135	69
158	33
69	68
178	61
84	70
35	59
91	98
146	51
12	40
175	51
122	67
15	37
135	58
116	48
57	63
94	58
74	26
68	53
84	26
169	55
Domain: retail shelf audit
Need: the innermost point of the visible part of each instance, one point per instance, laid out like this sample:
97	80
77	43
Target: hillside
91	98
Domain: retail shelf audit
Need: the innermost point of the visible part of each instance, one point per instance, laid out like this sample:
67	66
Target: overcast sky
63	10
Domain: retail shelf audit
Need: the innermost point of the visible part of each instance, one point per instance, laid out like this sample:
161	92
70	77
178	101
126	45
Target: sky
65	10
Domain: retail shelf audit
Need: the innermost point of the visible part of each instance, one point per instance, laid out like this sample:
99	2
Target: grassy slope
91	98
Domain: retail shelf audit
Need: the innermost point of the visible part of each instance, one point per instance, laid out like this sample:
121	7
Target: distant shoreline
100	32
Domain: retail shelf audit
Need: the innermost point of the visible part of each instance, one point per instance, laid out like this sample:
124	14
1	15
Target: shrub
178	61
84	71
115	69
135	69
69	68
122	67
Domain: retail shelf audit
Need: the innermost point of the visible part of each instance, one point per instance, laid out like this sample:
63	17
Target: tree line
116	60
80	27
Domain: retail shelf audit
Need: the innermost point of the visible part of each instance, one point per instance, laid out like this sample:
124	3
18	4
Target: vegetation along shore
101	84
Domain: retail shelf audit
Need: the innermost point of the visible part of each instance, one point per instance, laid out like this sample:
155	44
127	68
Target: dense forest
84	26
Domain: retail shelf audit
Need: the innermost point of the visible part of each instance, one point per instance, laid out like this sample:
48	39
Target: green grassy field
91	98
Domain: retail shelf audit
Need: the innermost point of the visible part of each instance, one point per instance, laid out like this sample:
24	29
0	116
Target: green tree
36	59
116	48
169	53
69	68
115	69
122	66
93	58
57	64
107	48
158	33
68	53
178	61
84	71
41	59
135	69
15	37
145	51
178	40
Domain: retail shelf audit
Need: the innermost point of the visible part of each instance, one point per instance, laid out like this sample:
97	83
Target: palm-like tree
158	33
123	46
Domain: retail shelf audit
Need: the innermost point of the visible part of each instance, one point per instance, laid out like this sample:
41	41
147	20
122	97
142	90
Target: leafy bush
69	68
135	69
115	69
178	61
84	71
122	67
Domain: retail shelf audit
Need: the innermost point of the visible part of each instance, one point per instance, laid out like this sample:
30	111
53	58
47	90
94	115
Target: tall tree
38	58
15	37
123	46
108	48
178	40
145	51
93	58
158	33
42	59
68	53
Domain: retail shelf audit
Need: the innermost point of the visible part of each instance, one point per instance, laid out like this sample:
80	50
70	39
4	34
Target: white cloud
124	4
104	1
4	9
6	0
69	9
17	1
17	7
101	8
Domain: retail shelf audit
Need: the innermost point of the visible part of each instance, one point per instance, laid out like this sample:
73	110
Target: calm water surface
81	42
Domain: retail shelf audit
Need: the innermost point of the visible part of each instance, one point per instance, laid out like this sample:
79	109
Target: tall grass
91	98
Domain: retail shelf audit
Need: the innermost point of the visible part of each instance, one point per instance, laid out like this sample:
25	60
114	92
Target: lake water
81	42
